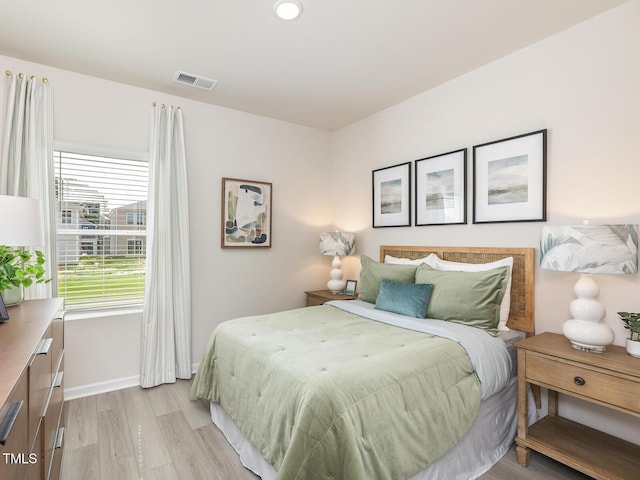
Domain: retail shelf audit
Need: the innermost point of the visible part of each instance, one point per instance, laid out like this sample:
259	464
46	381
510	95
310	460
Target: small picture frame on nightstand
350	289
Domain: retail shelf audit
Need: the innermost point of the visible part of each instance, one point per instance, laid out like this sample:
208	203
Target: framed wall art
509	179
392	196
440	186
246	213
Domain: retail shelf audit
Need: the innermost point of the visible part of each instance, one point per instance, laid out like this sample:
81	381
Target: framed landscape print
509	179
392	196
246	213
440	186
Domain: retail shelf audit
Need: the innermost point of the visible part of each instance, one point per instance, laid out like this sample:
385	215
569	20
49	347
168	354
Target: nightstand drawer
598	386
320	297
313	301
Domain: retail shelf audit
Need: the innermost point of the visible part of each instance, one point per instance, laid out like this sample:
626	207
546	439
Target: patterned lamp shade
590	248
338	244
587	249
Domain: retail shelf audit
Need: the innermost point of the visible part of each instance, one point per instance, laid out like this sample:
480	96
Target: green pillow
373	272
471	298
409	299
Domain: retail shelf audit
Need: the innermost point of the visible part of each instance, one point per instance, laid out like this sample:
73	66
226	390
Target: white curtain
166	330
26	166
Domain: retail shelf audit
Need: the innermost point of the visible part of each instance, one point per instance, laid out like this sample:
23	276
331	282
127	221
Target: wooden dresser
31	390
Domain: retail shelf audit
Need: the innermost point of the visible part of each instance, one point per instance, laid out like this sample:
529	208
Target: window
135	247
135	218
65	216
101	233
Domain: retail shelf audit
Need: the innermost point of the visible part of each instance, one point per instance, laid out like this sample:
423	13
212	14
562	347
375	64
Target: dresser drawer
592	384
13	431
40	378
35	471
57	346
52	419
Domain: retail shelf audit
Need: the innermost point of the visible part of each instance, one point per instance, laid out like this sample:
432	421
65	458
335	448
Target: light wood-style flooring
159	434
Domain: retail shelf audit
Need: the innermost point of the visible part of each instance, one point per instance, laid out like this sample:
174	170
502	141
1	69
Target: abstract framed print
392	196
440	189
246	213
509	179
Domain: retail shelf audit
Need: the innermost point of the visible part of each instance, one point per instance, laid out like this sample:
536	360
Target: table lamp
21	227
337	244
589	249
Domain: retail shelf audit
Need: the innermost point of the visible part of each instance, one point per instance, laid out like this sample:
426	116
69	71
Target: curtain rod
21	75
162	105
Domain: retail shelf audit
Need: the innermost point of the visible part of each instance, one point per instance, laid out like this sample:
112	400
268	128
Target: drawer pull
44	346
9	421
579	381
57	382
59	437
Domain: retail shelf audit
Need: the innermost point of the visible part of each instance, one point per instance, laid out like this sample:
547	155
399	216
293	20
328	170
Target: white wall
220	143
583	85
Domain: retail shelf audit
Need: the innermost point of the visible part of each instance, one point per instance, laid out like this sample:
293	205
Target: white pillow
444	265
407	261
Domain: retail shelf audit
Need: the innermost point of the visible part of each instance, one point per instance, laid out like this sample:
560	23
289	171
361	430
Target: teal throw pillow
409	299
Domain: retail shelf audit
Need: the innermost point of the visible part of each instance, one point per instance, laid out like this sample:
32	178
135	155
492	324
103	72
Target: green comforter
326	394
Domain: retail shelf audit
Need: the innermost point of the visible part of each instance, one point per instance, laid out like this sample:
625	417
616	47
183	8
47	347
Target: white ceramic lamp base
585	330
336	284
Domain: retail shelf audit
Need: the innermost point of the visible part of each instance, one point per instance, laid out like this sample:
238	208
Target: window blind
101	229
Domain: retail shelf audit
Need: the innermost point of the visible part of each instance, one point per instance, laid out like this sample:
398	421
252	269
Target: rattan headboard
521	313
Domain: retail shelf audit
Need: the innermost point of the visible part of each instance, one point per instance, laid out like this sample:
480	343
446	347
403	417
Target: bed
355	390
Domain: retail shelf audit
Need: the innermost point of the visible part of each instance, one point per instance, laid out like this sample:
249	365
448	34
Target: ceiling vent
195	80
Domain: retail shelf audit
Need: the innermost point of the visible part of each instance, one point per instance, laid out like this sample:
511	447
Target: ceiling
341	61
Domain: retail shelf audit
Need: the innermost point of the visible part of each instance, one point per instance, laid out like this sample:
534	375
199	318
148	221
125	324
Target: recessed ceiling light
287	9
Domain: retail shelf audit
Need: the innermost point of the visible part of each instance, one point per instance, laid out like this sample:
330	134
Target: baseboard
101	387
108	386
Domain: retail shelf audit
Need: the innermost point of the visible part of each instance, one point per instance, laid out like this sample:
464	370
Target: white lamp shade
20	222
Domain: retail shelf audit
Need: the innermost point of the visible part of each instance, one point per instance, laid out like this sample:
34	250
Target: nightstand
610	379
320	297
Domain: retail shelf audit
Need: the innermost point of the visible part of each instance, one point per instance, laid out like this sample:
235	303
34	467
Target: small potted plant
19	268
632	323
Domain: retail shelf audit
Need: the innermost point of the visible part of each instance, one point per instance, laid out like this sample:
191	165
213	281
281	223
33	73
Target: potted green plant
19	268
632	323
